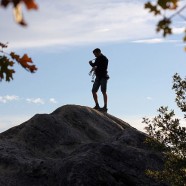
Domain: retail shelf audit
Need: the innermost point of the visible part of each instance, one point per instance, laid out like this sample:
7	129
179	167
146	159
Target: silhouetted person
100	66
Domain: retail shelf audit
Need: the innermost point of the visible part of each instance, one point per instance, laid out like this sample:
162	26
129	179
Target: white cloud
35	100
152	40
52	100
155	41
178	30
149	98
11	98
80	22
8	98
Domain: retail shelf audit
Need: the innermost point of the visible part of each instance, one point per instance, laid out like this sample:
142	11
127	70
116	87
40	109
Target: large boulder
76	146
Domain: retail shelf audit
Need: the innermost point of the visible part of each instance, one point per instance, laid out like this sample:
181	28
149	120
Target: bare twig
178	12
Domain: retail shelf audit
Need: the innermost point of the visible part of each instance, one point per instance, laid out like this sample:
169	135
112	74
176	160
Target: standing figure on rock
100	67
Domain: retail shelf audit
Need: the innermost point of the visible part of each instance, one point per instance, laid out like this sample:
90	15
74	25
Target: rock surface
76	146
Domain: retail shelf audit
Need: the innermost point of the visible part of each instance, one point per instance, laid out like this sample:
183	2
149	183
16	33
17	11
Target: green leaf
5	63
164	26
152	8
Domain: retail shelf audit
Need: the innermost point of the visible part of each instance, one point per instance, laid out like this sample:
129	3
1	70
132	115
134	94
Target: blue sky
60	38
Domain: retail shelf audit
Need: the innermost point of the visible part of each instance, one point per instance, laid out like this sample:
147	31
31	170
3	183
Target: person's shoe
96	107
104	109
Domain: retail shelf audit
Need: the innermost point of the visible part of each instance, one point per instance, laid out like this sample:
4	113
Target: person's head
97	52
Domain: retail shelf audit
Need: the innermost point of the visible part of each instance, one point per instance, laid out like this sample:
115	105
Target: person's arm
93	64
104	64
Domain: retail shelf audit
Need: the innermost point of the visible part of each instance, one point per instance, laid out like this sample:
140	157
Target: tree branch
178	12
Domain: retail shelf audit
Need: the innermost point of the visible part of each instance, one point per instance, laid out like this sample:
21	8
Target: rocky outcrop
76	146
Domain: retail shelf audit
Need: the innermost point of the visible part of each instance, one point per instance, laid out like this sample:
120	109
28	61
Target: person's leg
105	99
95	98
104	91
95	88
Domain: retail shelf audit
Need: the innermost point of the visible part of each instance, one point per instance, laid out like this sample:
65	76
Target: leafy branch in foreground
7	61
165	129
159	8
17	10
